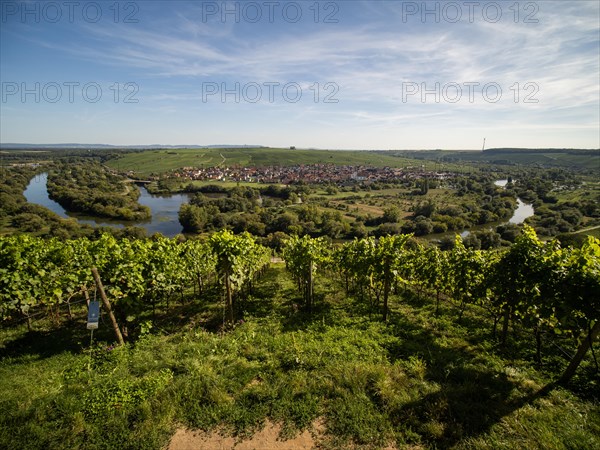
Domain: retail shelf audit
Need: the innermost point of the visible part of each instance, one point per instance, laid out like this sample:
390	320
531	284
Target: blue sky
345	74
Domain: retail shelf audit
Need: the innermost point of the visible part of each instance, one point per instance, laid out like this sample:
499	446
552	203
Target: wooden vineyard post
585	345
87	295
107	305
310	286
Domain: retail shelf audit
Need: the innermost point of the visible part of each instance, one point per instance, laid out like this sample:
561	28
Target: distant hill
18	146
539	157
573	151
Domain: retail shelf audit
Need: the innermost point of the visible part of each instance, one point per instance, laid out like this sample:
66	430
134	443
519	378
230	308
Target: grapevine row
138	274
535	284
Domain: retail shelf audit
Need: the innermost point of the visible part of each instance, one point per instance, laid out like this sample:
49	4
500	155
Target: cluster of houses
307	173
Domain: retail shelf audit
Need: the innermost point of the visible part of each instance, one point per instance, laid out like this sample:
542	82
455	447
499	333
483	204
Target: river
165	209
523	211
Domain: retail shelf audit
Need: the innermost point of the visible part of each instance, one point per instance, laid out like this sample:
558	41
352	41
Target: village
309	173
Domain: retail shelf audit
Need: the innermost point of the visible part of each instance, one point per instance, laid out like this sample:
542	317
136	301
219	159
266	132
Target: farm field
581	159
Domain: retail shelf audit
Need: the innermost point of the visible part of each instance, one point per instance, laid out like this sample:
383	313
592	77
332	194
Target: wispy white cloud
370	54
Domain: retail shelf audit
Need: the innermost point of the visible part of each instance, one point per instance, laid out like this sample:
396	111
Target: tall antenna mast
483	145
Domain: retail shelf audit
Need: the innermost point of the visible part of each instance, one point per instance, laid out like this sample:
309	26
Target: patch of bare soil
266	439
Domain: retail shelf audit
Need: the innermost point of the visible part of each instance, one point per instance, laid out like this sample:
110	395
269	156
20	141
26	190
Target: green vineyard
346	313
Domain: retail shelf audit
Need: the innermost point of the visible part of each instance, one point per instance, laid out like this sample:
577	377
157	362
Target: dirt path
586	229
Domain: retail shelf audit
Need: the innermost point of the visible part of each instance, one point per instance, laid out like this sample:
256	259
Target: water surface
165	209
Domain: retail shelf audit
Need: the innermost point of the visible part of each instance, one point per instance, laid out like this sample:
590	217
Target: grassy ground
421	381
376	201
590	190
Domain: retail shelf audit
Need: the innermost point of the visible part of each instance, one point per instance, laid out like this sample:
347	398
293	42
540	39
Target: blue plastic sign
93	315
